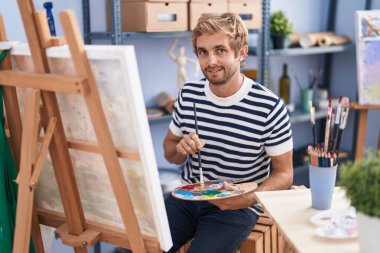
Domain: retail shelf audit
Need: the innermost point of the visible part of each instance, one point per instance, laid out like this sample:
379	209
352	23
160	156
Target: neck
229	88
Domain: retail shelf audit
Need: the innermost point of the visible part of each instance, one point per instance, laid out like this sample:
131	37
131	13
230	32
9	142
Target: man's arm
281	178
176	149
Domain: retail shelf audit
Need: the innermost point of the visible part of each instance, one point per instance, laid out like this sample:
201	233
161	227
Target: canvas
116	73
368	56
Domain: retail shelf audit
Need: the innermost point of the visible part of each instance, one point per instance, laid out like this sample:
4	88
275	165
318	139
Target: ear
243	53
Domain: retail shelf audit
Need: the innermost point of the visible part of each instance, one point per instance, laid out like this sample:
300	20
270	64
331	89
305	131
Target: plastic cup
306	96
322	183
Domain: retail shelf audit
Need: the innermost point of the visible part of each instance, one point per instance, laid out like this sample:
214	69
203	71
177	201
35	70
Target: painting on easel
368	56
116	73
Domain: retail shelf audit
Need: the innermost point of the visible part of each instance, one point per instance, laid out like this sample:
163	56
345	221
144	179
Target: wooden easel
362	128
72	228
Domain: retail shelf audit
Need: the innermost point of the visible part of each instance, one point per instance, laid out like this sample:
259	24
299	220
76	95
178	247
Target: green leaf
280	24
361	179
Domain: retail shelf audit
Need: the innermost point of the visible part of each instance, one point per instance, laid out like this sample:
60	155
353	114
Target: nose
212	60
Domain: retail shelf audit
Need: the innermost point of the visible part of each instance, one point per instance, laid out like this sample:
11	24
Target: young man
243	128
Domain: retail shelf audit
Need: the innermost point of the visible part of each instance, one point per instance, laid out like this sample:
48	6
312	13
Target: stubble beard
229	72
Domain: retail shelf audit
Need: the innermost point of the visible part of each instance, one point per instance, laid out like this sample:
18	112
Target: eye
220	50
202	52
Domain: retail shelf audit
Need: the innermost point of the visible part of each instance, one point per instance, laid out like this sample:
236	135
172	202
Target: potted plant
280	27
361	179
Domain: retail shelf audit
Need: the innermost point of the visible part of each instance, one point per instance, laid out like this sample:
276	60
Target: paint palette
212	189
336	224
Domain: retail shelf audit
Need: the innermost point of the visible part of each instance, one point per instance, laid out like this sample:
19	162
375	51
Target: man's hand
189	144
238	202
176	149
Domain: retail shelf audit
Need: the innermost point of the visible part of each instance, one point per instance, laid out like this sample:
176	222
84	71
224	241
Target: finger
230	187
192	145
186	147
199	143
181	150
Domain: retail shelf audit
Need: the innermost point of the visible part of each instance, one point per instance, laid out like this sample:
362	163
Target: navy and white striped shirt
241	132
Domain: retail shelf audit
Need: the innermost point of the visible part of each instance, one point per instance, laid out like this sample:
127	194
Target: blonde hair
229	23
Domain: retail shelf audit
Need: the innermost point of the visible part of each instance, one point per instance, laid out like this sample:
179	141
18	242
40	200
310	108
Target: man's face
216	58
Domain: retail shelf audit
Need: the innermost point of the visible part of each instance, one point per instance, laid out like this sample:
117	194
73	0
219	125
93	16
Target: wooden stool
259	240
264	238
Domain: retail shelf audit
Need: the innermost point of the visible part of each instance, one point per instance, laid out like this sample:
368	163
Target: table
291	211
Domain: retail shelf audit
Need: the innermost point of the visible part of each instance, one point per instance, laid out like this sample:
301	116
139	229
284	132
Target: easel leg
36	232
361	134
25	196
80	250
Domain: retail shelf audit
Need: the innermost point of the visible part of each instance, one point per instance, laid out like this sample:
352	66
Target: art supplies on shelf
326	154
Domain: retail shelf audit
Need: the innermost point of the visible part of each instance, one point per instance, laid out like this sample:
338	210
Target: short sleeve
278	139
176	122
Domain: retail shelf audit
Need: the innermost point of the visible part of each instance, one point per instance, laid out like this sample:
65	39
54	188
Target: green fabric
8	189
3	54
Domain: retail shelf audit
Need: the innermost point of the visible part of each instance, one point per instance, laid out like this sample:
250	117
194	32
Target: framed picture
118	82
368	56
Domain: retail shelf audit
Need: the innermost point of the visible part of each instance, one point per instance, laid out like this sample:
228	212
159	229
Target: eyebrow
219	46
214	47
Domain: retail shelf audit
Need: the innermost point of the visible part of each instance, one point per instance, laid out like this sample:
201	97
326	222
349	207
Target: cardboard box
196	9
249	11
151	16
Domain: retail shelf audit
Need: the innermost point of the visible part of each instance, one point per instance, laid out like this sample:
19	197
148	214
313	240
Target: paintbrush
343	102
331	137
342	125
327	128
338	116
199	151
312	119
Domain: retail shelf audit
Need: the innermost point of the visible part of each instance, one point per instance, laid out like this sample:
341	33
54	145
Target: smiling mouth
214	70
